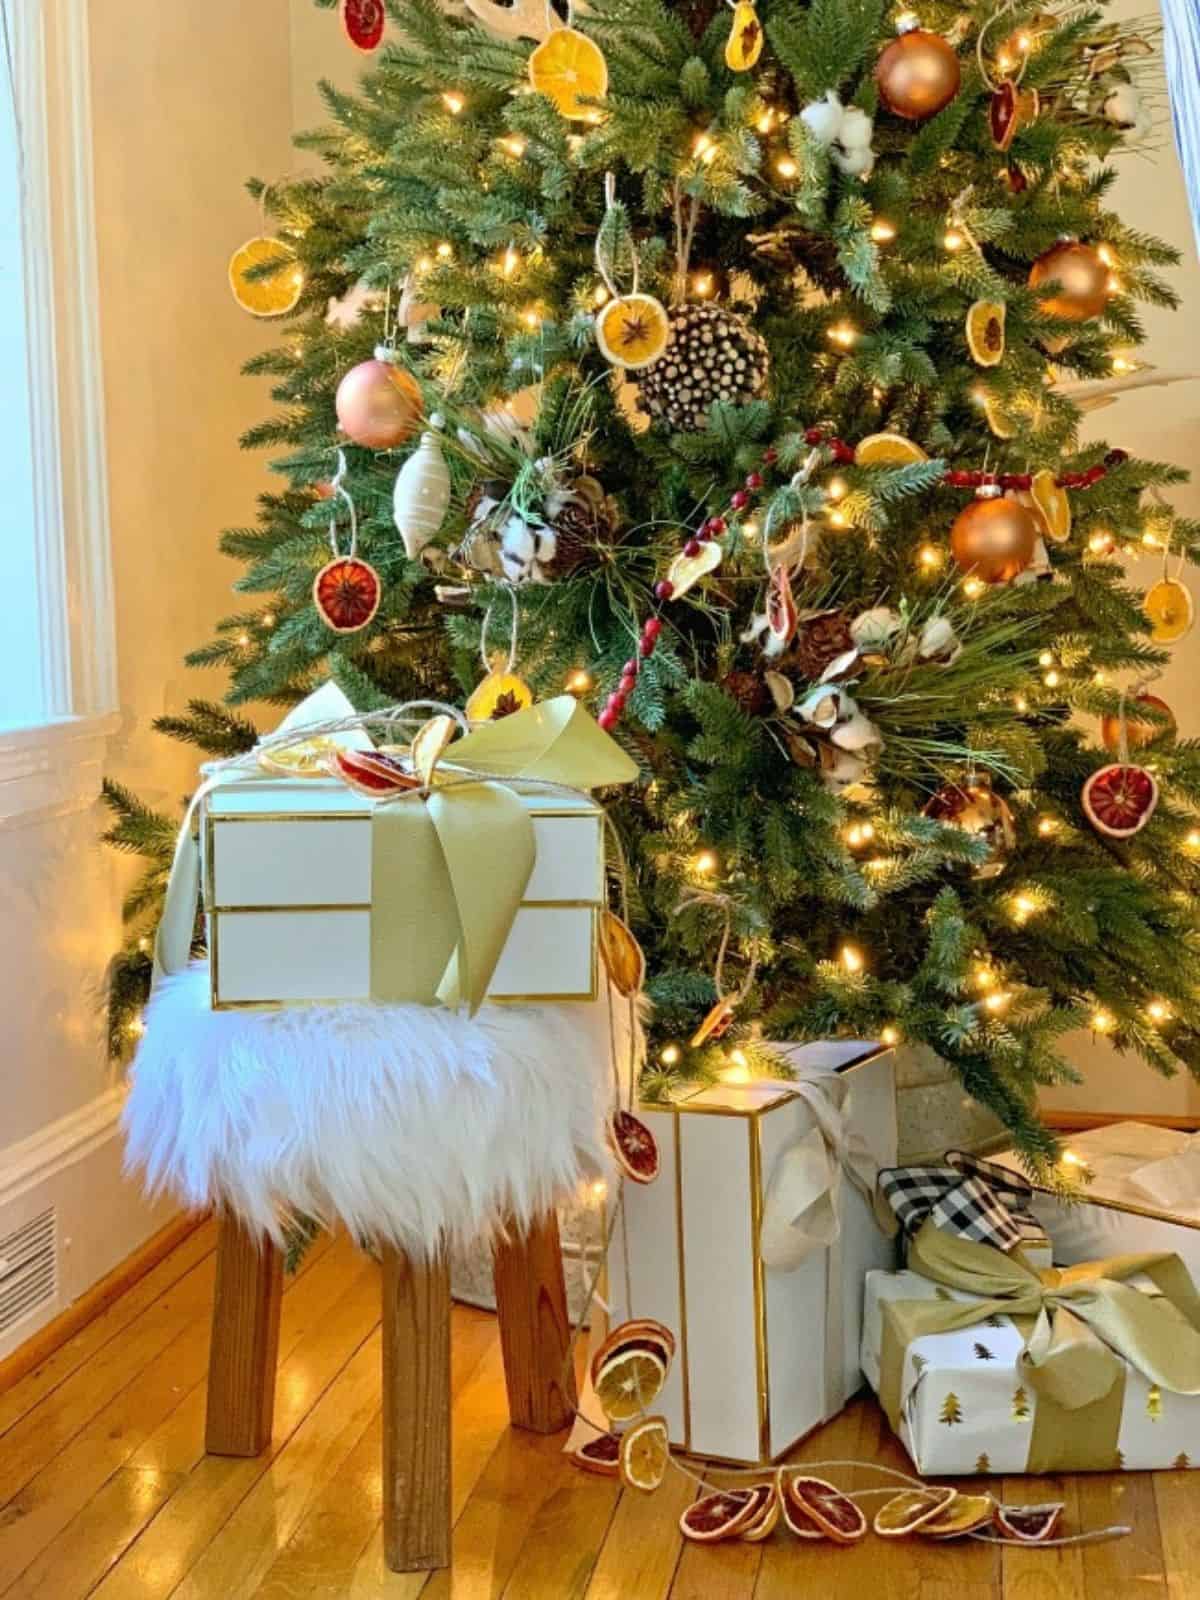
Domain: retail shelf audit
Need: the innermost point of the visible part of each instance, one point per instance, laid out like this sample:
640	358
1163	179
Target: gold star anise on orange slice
632	330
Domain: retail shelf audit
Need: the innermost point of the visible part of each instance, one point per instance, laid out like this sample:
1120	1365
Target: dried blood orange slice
623	958
346	593
363	23
797	1521
911	1509
371	772
1030	1524
1119	800
1002	114
629	1383
641	1333
961	1515
834	1513
634	1146
717	1516
764	1520
602	1455
645	1451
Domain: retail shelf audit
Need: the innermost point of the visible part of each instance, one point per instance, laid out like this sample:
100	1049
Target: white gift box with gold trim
1142	1193
286	872
764	1354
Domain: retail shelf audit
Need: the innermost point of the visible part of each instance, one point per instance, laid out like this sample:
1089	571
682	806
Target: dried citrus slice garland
718	1516
629	1382
601	1455
634	1146
887	450
623	957
309	759
832	1512
645	1452
912	1509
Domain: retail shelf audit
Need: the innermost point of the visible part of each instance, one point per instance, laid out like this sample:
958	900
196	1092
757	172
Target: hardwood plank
323	1553
564	1539
63	1488
244	1349
1176	1496
1056	1574
642	1549
481	1421
416	1412
535	1328
1130	1567
334	1311
95	1540
51	1370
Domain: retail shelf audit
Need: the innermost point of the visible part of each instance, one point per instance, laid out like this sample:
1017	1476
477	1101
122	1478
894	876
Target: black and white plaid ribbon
969	1197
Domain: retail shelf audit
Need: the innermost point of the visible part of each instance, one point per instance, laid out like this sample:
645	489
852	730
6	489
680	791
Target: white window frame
55	765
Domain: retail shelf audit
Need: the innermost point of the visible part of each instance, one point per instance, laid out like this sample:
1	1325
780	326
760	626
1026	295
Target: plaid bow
971	1198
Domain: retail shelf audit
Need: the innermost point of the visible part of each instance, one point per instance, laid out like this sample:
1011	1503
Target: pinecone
749	690
819	640
712	354
584	520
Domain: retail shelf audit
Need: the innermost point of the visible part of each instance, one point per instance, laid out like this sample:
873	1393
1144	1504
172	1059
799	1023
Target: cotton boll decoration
845	131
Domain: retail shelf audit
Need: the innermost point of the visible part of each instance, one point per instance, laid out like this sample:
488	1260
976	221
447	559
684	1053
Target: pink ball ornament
378	405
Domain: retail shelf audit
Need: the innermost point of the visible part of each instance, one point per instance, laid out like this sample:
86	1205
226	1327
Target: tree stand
534	1337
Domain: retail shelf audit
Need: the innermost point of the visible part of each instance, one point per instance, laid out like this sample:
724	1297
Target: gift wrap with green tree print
968	1400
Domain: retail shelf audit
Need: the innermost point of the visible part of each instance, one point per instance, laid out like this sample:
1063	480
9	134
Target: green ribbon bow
1078	1323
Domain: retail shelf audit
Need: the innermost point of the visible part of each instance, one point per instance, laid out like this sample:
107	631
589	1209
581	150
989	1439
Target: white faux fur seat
412	1125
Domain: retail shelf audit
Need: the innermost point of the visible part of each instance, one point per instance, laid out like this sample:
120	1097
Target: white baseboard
73	1166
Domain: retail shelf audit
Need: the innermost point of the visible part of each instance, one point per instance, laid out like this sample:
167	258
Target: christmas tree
724	368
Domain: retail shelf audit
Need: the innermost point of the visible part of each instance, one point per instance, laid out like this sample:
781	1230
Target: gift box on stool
287	870
1141	1192
752	1174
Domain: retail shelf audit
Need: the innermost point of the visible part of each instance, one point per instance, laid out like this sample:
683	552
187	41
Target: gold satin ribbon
1078	1323
449	864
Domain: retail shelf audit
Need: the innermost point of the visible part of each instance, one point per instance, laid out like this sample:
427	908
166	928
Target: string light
843	333
143	944
1069	1159
738	1070
1046	659
703	283
513	144
705	862
1047	826
786	167
852	958
579	681
600	296
836	488
1105	252
531	317
996	1001
704	147
1101	542
766	119
1052	679
423	264
1103	1021
445	250
973	587
882	231
1023	907
1021	704
669	1055
268	619
953	239
837	519
859	833
598	1190
1123	364
243	640
1158	1010
930	557
135	1028
509	261
454	103
750	528
1192	840
889	1035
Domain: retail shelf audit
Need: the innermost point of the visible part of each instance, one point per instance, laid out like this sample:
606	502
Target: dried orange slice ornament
308	759
887	450
998	420
1030	1524
985	332
763	1522
834	1513
623	957
568	68
273	295
642	1333
795	1519
629	1383
634	1146
911	1509
633	330
1171	610
1052	504
1119	800
745	42
499	695
601	1455
718	1516
645	1451
428	744
346	593
960	1515
372	772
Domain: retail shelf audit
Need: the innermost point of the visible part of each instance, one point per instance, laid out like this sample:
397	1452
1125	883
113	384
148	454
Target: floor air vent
28	1270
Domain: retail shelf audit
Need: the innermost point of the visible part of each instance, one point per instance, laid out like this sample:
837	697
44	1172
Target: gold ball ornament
1082	280
978	810
378	404
994	539
918	74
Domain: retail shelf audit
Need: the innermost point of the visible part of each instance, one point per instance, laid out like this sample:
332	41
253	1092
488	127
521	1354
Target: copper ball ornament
1082	280
1139	731
978	810
994	540
918	74
378	404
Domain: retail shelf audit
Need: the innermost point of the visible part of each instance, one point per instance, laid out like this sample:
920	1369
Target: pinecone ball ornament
584	520
712	354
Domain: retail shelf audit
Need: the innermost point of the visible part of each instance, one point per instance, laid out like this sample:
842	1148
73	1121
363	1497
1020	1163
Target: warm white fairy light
1023	907
704	148
600	295
930	557
973	587
738	1070
1047	827
996	1001
1101	542
837	519
786	167
852	958
859	833
703	284
1158	1010
1020	704
454	102
243	640
985	978
135	1028
531	317
1192	840
953	239
579	681
598	1190
509	262
1052	679
883	231
268	619
836	488
889	1034
1103	1021
513	144
843	333
1046	659
704	863
423	264
669	1055
445	251
750	528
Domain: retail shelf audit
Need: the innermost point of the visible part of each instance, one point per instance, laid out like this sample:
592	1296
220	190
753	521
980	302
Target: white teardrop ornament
422	495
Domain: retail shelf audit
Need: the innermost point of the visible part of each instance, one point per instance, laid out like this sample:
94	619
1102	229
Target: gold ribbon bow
1077	1322
449	862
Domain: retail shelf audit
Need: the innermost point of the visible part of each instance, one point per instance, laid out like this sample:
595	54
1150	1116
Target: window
56	648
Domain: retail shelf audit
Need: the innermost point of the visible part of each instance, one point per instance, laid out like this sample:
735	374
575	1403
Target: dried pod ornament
362	23
633	329
347	590
745	42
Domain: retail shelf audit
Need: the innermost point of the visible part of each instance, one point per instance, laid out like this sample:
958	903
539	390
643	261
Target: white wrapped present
753	1244
1027	1377
1142	1193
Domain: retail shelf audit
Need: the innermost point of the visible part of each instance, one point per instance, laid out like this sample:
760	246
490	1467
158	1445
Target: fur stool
416	1128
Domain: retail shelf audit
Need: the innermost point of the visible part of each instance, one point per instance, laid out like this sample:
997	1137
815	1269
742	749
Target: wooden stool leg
416	1413
535	1331
245	1342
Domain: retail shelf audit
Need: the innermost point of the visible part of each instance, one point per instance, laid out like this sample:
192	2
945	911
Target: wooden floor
105	1489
